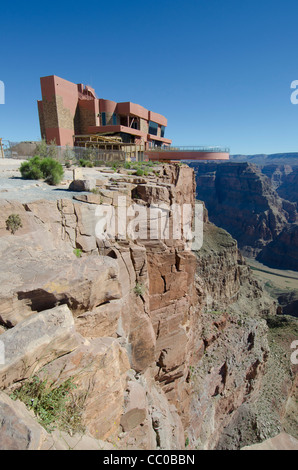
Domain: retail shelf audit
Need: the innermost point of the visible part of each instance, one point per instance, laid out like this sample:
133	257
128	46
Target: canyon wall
164	345
284	179
250	202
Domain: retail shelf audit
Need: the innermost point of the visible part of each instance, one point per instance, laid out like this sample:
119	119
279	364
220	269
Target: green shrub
52	170
85	163
37	168
30	170
42	149
78	252
52	149
54	406
139	289
139	172
13	223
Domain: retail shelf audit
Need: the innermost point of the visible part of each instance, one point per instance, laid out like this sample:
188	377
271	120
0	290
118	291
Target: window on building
123	121
162	131
153	126
114	119
134	124
103	119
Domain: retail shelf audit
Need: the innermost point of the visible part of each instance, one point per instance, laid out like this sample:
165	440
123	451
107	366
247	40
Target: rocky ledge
163	346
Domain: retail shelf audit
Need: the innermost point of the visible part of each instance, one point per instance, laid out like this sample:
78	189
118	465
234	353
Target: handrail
190	149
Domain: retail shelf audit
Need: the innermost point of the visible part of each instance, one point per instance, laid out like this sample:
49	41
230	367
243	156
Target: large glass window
153	126
114	119
162	131
103	119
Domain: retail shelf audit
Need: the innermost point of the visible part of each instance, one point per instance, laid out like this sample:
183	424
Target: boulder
41	283
82	185
98	368
18	428
36	341
136	408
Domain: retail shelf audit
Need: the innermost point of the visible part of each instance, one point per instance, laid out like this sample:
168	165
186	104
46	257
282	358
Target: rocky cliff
284	179
283	251
242	199
164	346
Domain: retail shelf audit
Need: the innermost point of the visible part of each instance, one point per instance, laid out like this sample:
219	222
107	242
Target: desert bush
30	170
48	168
52	149
52	170
54	407
139	289
42	149
85	163
68	156
13	223
78	252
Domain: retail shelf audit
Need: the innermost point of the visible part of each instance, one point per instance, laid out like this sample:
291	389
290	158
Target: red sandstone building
71	114
68	111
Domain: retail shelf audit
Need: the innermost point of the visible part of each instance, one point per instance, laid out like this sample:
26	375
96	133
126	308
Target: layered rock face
283	251
241	199
230	339
122	338
284	179
163	344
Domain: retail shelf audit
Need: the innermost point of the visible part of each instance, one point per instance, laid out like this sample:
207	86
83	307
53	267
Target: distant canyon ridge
256	201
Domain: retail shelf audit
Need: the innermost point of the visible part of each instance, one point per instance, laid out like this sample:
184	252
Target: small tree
90	154
42	149
68	156
52	149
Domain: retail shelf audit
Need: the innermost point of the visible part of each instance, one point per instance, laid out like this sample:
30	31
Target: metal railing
64	154
199	148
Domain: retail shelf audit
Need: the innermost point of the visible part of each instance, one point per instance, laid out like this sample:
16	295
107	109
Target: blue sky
219	70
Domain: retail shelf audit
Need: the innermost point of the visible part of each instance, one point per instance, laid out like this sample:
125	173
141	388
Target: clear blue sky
219	70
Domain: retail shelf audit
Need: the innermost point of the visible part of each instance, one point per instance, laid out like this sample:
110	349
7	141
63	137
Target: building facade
70	113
